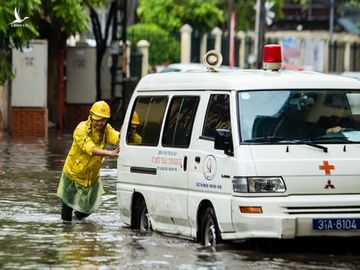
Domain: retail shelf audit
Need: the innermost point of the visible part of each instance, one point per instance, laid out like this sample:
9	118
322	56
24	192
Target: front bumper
291	216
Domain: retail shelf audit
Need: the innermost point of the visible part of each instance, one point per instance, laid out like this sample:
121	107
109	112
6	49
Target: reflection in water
32	235
207	256
32	153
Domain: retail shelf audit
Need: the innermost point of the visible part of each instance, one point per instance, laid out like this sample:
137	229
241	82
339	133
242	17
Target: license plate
336	224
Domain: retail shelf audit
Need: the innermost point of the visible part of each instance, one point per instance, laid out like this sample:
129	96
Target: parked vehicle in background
180	67
233	155
351	74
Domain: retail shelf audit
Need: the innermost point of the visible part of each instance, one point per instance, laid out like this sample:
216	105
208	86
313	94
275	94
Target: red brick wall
75	113
29	121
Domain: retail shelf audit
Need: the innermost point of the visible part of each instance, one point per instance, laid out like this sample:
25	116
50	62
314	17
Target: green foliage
163	46
246	13
63	18
159	18
304	3
165	13
204	15
68	17
170	15
12	35
354	3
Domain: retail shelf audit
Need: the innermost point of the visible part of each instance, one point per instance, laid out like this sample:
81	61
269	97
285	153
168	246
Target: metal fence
335	55
355	57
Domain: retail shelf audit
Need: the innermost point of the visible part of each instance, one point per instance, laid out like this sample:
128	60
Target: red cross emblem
329	185
327	167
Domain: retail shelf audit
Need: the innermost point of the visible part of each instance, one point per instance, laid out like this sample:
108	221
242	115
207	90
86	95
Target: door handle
185	163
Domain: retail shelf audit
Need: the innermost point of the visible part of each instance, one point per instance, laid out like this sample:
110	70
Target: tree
57	21
12	36
159	17
51	20
245	12
158	38
170	15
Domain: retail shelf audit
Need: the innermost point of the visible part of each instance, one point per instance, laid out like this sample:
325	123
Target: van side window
217	115
145	122
179	121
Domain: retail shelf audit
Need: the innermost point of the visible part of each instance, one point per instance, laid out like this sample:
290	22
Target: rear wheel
209	233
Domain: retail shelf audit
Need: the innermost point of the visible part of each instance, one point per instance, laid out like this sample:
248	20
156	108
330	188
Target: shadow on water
32	235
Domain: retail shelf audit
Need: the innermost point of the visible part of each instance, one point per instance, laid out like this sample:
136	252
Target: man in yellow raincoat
80	187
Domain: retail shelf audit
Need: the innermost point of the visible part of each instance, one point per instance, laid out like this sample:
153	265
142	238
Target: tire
142	218
209	233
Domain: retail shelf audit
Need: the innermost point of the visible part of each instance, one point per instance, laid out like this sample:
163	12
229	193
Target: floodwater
32	235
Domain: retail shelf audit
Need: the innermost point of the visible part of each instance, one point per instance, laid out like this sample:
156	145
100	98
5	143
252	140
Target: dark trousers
66	213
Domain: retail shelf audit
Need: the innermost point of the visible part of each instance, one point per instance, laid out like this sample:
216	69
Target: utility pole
259	33
331	35
331	21
231	31
114	49
119	46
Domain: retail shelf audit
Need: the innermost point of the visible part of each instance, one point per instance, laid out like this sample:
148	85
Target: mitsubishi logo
329	185
326	167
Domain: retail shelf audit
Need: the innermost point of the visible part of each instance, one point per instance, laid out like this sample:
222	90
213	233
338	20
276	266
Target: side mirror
223	141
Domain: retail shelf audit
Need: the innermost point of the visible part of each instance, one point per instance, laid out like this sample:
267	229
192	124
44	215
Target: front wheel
209	233
143	218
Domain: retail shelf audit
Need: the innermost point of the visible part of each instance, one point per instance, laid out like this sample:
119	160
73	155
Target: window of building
146	119
179	121
217	115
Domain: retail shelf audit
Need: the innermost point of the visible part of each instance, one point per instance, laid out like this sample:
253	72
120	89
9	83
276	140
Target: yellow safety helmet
135	119
100	109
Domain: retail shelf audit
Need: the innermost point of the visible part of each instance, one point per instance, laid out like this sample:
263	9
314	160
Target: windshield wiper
315	145
280	139
265	139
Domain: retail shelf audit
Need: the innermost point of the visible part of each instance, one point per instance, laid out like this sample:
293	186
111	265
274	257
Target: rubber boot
80	215
66	212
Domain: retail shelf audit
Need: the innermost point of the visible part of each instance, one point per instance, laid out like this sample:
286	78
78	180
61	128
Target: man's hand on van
106	153
334	130
116	151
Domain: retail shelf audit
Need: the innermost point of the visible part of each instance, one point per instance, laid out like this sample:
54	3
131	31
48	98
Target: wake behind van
242	154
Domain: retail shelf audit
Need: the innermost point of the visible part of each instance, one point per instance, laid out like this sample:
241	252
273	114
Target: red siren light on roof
272	57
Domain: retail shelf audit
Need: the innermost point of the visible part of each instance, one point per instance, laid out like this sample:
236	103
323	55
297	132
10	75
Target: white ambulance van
233	155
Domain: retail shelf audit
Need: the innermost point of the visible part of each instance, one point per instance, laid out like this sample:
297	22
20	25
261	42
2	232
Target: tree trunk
100	43
52	80
61	85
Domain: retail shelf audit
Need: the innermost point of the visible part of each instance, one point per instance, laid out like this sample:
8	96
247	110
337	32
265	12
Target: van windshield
299	116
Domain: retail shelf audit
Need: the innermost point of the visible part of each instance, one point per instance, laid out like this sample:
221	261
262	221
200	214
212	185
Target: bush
164	47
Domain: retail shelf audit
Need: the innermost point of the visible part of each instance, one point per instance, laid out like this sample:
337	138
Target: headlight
258	185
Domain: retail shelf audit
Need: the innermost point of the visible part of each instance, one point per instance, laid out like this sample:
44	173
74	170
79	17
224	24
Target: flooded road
32	235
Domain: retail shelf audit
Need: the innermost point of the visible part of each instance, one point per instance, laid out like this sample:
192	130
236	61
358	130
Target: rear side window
217	115
145	122
180	121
